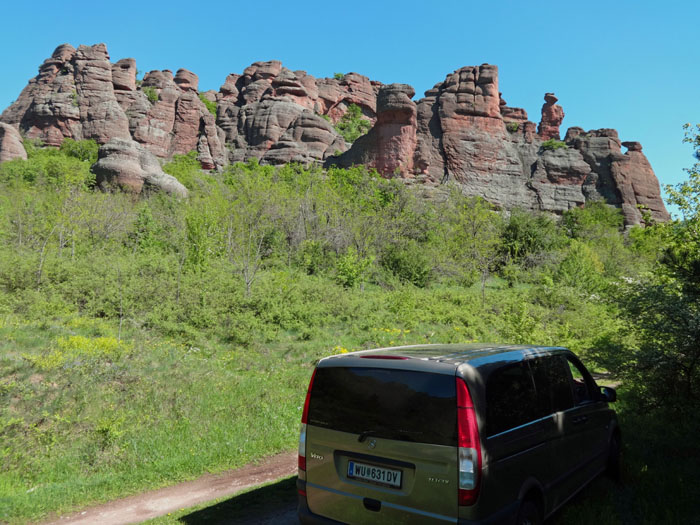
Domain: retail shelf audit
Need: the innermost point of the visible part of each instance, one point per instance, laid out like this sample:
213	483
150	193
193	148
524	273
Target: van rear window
387	403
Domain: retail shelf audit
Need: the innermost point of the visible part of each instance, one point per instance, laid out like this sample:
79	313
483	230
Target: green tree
470	236
660	356
249	219
529	237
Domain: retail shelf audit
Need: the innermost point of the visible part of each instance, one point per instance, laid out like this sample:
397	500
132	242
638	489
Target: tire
529	514
614	466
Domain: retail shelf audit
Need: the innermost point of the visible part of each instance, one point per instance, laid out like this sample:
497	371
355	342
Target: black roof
476	354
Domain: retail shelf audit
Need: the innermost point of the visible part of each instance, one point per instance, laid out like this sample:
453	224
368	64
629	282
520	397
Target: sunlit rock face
461	132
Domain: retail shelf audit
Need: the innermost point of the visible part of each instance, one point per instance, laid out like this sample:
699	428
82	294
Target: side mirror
608	394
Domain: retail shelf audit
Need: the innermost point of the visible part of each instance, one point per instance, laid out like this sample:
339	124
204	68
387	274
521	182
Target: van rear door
381	446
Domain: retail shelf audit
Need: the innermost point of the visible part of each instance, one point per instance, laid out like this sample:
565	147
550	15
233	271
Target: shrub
408	262
581	268
184	168
58	168
528	236
211	105
595	220
351	268
351	125
512	127
151	94
85	150
553	144
311	256
339	76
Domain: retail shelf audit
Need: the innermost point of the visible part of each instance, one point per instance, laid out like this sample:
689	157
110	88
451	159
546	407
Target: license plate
374	474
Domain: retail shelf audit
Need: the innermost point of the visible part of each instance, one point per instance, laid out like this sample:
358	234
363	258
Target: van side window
552	384
510	398
583	387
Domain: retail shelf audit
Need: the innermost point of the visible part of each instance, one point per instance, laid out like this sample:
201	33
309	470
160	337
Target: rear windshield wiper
397	432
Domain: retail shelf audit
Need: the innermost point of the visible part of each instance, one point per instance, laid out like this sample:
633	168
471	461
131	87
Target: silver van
464	434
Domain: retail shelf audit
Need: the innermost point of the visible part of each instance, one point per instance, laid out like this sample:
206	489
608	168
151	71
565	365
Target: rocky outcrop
275	115
73	96
79	94
11	144
461	132
125	164
466	134
552	117
390	144
623	180
462	138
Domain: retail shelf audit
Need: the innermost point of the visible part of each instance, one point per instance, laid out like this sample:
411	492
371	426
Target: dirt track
141	507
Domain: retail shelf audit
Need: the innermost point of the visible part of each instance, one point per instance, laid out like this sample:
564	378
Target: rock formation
390	144
461	132
125	164
10	144
552	117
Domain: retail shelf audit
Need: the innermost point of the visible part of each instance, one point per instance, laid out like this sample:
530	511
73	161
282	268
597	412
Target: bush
408	262
595	220
311	256
85	150
581	268
553	144
211	105
351	268
529	237
151	94
352	126
512	127
185	168
58	168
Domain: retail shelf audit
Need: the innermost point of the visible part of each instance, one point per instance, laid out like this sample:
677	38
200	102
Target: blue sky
629	65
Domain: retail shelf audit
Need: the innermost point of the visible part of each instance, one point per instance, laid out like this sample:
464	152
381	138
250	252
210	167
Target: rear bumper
505	516
305	515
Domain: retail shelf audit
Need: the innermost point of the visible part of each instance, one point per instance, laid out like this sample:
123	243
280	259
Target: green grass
95	429
86	418
105	424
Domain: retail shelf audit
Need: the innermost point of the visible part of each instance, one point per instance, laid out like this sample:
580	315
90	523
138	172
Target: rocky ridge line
462	131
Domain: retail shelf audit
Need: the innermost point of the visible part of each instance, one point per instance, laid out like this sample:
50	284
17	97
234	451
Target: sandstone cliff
462	131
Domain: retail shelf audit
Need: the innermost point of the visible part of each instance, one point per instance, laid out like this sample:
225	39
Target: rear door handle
580	420
372	504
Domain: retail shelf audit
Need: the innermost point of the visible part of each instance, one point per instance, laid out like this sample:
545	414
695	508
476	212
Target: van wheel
528	514
614	458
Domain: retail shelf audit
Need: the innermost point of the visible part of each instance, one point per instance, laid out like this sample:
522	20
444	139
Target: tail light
469	451
304	419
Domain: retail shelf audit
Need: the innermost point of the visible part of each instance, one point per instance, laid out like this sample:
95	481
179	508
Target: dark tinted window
511	399
583	383
552	383
394	404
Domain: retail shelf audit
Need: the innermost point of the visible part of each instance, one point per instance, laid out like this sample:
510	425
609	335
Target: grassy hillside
147	340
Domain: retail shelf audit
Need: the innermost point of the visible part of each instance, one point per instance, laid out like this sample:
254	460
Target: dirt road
141	507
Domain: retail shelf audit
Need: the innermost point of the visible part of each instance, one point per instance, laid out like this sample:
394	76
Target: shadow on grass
273	503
